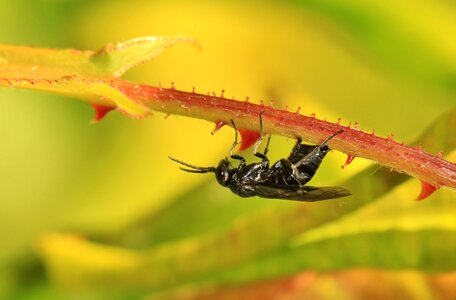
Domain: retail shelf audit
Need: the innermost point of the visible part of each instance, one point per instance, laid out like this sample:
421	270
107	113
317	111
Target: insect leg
289	171
298	140
241	158
235	156
258	142
329	138
267	145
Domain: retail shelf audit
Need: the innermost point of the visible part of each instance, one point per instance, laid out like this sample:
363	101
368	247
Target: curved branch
93	77
431	169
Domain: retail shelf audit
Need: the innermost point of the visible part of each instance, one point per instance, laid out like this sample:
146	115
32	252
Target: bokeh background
82	205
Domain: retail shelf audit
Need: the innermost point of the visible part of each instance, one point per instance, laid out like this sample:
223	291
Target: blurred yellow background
389	67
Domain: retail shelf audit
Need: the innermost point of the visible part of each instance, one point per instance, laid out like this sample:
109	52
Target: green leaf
349	284
116	59
85	75
392	233
282	238
411	237
113	60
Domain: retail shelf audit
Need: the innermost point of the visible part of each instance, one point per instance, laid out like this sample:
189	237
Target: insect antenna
330	137
316	149
196	169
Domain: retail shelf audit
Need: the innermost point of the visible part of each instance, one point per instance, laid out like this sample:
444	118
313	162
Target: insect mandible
285	179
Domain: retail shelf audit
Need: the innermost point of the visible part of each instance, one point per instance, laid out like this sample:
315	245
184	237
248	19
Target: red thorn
350	158
440	154
426	190
218	125
338	121
373	132
420	147
246	99
172	86
312	115
101	111
248	138
223	92
193	90
297	111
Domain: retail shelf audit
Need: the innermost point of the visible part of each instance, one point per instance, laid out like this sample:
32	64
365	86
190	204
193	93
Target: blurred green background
98	211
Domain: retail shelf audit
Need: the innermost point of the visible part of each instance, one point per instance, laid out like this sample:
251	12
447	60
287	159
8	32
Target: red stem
411	160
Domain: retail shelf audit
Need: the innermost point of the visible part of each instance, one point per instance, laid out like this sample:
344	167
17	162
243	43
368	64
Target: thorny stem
94	77
430	169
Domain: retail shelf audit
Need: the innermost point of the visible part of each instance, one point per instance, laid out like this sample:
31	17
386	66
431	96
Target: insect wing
297	193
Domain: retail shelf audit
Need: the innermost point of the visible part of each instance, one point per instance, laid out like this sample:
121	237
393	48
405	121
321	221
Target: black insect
285	179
